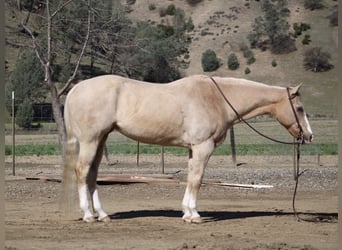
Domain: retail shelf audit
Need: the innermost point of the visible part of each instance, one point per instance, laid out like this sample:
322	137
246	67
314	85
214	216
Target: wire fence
41	138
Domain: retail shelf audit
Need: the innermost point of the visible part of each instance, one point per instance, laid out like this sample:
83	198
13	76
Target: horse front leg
197	163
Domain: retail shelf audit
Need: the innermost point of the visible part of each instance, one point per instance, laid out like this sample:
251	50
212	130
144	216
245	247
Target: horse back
168	114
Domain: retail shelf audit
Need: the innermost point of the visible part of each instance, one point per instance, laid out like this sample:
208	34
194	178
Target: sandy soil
148	216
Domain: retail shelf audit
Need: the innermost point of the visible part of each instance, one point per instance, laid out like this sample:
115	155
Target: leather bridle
300	138
301	131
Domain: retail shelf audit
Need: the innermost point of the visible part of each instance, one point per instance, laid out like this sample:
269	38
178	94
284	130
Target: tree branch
18	44
72	77
60	8
48	63
34	44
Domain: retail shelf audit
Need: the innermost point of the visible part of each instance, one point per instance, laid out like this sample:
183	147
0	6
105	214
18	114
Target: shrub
162	12
306	40
233	62
333	18
317	60
170	10
193	2
130	2
189	26
274	63
26	80
299	28
283	44
210	61
305	26
313	4
152	6
253	39
249	55
24	116
247	71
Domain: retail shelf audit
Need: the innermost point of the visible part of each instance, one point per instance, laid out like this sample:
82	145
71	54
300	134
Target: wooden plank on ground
114	178
237	185
107	179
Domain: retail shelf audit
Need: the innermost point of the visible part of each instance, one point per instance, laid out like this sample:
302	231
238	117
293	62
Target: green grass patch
278	149
144	149
29	150
131	148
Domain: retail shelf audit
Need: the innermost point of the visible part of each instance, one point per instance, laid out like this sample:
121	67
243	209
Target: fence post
13	135
138	153
232	145
162	159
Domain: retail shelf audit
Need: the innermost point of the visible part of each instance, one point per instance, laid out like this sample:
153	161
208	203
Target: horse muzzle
307	138
304	137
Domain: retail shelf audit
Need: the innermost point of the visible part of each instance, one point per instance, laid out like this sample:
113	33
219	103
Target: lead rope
296	144
296	158
297	174
249	125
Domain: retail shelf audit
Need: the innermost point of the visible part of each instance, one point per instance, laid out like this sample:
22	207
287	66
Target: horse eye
300	109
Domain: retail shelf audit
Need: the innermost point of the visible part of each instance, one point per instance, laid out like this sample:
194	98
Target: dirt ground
148	216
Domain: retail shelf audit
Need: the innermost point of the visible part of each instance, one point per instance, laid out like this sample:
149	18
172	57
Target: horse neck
252	99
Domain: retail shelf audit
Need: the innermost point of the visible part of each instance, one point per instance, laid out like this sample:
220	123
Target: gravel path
251	170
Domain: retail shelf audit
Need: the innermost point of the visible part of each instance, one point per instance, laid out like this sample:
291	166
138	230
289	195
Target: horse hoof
105	219
89	219
197	220
187	219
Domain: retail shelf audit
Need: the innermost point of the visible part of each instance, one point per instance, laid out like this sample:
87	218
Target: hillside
223	26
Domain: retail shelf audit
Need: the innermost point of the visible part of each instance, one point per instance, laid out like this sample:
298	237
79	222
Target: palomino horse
191	112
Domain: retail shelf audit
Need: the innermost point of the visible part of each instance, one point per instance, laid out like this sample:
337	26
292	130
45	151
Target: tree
272	29
233	62
210	61
24	116
27	80
317	60
62	32
155	57
158	53
112	39
275	15
46	50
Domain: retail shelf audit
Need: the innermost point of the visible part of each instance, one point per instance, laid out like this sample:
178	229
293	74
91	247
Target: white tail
68	199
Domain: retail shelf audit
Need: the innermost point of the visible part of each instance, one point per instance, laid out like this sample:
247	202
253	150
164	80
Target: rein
296	141
254	129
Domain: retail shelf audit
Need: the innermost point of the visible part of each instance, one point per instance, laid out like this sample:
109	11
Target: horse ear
294	91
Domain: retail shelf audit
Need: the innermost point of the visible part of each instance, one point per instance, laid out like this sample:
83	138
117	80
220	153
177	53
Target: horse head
290	113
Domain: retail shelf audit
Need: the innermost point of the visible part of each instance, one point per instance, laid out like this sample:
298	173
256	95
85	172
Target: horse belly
152	131
153	125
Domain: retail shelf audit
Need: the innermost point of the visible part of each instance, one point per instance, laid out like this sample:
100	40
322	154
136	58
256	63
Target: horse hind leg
86	158
92	186
197	163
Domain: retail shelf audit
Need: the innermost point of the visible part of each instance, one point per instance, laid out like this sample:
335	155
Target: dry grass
226	25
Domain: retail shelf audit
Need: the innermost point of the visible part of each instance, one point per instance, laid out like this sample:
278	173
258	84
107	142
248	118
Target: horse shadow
213	216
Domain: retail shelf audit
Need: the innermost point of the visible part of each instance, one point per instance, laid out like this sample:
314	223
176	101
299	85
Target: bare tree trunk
46	61
58	116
